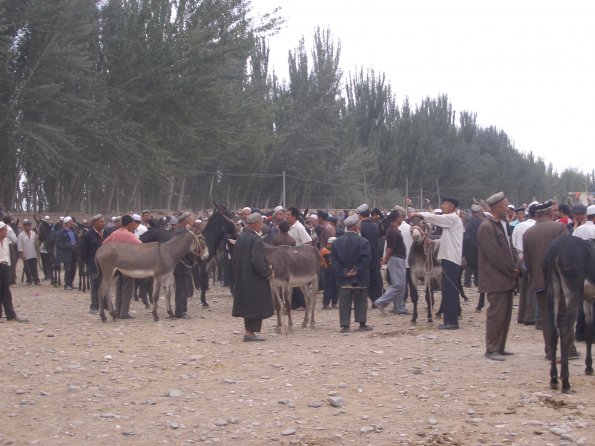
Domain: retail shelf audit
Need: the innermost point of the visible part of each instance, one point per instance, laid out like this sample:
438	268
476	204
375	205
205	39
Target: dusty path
66	378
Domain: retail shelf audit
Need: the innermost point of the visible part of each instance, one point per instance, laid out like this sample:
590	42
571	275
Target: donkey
569	271
293	267
144	260
423	264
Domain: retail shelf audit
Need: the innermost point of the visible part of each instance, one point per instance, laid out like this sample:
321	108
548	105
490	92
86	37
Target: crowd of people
506	243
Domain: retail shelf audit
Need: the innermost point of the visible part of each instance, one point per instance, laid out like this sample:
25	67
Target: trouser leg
94	280
253	325
46	264
498	317
5	294
127	288
345	303
375	288
181	295
523	285
360	305
450	292
32	267
14	256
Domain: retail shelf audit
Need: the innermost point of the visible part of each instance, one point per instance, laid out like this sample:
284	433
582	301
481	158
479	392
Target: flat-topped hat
331	239
46	218
183	216
254	217
96	218
362	208
450	200
475	207
591	210
279	209
495	199
401	210
136	217
545	206
67	219
26	222
579	209
2	225
352	220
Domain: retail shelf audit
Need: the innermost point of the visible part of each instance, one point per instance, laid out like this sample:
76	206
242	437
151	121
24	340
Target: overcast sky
526	67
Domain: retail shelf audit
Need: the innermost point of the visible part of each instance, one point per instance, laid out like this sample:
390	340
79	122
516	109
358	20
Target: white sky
524	66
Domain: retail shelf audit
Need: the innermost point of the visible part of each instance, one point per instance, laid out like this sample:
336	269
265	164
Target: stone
220	422
315	404
288	432
432	421
335	401
174	425
557	431
367	429
174	393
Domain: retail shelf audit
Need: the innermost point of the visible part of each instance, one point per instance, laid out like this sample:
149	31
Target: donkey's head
419	229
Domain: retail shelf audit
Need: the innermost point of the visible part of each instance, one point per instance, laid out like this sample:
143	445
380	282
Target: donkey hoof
553	385
589	371
304	325
567	389
278	330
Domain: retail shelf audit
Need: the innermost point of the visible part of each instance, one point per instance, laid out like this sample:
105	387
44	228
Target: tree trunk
181	194
170	194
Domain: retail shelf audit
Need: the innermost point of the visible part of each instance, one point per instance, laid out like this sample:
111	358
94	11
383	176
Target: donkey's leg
429	301
588	307
481	303
166	283
306	294
103	287
312	298
286	293
155	297
414	299
204	285
278	309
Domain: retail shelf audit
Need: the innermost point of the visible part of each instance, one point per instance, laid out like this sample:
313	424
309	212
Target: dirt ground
68	379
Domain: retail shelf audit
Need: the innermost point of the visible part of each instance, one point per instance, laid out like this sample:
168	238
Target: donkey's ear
219	207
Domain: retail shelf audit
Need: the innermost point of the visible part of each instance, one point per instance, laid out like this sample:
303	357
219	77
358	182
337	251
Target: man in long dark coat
498	267
91	242
251	290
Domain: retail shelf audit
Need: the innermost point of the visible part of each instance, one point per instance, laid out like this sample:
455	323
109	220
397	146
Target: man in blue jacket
65	242
350	258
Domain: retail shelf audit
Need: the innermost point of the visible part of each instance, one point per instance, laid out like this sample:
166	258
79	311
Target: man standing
450	254
350	259
369	231
498	267
394	258
27	246
147	219
45	229
297	230
5	294
91	242
124	284
183	272
527	303
535	242
470	242
252	299
65	241
138	227
586	231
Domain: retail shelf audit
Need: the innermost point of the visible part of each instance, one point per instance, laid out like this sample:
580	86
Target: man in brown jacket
498	267
535	242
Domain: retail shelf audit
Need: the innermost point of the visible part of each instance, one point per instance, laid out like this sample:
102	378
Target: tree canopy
118	104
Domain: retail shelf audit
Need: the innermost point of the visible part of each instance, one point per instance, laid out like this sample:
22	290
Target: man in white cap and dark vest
91	242
183	272
450	254
350	259
252	299
369	231
65	241
498	268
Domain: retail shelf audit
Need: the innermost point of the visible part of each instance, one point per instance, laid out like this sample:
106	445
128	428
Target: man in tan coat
498	267
535	243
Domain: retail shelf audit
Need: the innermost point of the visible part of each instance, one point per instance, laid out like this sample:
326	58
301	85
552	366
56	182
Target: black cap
451	200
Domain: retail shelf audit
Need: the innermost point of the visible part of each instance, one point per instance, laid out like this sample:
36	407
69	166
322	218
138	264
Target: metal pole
283	189
438	189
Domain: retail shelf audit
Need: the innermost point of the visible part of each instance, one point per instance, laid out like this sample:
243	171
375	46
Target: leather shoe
344	329
505	353
448	327
364	327
252	338
126	316
494	356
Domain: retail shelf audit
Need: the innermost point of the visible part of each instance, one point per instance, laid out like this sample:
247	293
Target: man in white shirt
139	228
586	231
450	253
405	229
297	231
527	301
5	294
27	246
301	237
